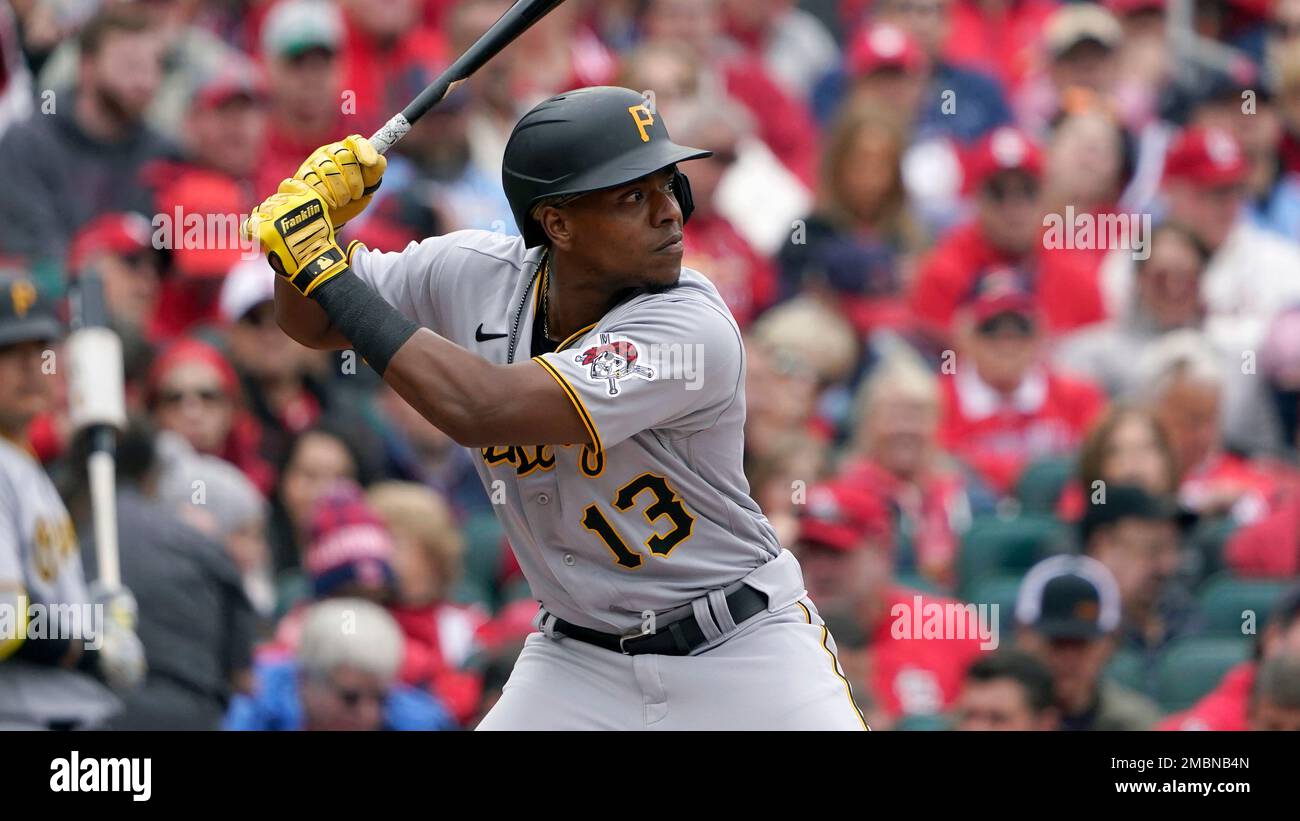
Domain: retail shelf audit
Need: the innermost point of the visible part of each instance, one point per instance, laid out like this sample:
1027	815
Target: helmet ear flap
685	200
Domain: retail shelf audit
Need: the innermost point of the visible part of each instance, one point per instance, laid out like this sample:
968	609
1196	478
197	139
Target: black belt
679	638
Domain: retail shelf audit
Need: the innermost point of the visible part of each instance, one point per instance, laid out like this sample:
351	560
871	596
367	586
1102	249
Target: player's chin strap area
712	617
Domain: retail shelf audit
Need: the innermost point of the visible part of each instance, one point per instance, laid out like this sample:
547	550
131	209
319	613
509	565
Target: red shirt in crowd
1257	487
384	76
784	123
929	506
1269	547
998	435
1224	708
1289	153
196	217
912	674
1006	44
439	641
1065	281
282	153
745	279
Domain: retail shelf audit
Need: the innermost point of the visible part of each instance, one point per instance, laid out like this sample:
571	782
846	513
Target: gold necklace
546	292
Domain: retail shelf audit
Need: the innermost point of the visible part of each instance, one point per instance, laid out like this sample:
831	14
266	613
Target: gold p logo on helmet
643	117
23	296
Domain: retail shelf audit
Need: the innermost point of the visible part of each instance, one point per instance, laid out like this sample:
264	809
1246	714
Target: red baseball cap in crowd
1000	291
204	209
122	233
881	46
240	79
1003	149
840	515
1206	156
186	351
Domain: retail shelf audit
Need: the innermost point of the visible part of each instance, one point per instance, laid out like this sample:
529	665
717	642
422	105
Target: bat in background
517	19
97	404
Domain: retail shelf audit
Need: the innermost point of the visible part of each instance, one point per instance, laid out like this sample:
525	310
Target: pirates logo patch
612	360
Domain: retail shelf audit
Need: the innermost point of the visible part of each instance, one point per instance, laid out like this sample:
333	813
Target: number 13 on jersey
664	504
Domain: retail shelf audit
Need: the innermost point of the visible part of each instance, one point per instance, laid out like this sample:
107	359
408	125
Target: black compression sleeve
47	652
375	328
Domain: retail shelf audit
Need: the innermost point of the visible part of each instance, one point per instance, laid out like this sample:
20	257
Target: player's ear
558	226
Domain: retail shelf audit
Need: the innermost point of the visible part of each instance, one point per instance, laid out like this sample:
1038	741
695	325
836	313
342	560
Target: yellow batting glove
345	174
295	232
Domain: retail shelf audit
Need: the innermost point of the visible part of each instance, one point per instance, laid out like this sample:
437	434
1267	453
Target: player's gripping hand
345	174
296	234
121	655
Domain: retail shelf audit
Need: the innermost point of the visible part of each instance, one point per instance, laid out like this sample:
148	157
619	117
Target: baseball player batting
666	599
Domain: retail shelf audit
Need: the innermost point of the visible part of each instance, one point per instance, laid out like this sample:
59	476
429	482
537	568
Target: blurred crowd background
947	402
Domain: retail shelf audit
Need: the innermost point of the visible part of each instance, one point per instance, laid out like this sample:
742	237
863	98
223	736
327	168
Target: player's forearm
303	320
457	391
470	399
478	403
441	380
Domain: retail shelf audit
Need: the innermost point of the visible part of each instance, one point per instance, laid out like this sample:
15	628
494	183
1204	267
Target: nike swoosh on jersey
479	336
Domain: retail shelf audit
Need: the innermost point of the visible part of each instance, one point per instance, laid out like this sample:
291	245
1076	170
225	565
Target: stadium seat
1190	668
1224	599
916	581
516	590
995	546
1206	543
467	592
1041	484
482	564
1126	667
1000	590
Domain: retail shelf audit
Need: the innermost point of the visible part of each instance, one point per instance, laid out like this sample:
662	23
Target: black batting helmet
26	315
586	140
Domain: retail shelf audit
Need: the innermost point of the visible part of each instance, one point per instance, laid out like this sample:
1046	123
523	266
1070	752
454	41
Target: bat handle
400	124
385	138
388	134
102	493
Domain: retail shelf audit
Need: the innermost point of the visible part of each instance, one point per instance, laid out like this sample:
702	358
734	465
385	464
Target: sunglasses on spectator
1006	325
1001	189
141	259
208	396
352	698
263	316
315	52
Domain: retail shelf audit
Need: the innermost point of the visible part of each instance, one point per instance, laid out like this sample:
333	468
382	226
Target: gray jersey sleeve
427	279
406	279
669	363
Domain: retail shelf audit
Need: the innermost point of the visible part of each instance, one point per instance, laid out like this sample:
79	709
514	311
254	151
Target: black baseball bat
517	19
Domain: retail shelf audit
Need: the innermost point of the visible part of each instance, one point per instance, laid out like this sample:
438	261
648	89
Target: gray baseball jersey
40	565
654	510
